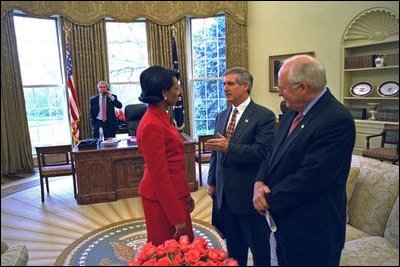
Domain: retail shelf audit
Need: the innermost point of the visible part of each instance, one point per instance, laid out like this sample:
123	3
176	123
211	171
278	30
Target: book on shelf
359	113
368	61
359	62
383	114
392	59
391	115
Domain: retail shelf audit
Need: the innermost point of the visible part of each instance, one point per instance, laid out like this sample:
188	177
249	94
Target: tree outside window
208	66
127	57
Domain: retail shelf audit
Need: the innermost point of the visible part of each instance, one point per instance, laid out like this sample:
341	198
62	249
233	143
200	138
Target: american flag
72	98
178	110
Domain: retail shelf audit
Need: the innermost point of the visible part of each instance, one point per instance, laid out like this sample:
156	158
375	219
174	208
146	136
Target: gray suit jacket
234	172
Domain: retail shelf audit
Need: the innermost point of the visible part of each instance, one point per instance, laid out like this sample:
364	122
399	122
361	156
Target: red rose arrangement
182	253
120	115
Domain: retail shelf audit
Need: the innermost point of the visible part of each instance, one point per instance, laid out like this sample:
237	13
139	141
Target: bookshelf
373	33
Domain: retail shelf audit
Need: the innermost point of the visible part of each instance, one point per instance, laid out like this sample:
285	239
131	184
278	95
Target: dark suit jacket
94	109
234	172
307	175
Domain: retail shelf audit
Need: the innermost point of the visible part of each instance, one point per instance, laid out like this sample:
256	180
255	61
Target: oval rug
117	243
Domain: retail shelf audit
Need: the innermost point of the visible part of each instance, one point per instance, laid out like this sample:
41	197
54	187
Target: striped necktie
231	125
104	108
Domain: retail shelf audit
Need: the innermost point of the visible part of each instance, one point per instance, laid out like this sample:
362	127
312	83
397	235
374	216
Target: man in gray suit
243	139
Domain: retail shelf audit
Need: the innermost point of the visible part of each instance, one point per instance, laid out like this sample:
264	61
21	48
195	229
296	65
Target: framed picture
275	63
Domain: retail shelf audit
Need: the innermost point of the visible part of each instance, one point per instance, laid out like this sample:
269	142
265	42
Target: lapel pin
246	120
302	126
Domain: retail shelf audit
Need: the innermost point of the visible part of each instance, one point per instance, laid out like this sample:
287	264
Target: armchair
133	115
389	136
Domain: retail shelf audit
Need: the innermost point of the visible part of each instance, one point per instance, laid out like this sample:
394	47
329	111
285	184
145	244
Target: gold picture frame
275	63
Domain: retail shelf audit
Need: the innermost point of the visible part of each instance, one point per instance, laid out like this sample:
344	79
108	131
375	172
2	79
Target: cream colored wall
276	28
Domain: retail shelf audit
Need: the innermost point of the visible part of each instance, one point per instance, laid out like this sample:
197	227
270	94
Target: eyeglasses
294	85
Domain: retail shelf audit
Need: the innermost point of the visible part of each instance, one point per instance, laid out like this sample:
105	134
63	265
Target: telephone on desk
88	143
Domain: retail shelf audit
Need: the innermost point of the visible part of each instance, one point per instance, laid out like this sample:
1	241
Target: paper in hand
271	222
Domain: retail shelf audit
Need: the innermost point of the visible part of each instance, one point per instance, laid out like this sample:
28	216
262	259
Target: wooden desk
110	173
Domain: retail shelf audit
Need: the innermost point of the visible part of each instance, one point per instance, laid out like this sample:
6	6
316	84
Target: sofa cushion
351	181
16	255
374	195
369	251
350	184
353	233
4	247
392	226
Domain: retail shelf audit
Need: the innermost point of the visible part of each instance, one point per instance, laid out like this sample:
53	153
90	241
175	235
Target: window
42	79
208	66
127	57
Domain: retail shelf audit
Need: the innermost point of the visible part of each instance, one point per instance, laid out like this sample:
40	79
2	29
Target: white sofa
16	255
372	233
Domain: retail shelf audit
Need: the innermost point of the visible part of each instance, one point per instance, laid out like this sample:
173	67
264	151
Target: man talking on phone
102	111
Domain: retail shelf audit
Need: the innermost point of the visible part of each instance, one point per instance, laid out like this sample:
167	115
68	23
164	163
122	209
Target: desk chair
389	135
133	115
202	155
55	161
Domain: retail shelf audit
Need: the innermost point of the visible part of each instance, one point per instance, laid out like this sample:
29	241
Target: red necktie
104	108
296	121
231	125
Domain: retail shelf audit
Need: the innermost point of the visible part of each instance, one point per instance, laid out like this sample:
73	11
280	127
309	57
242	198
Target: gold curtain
236	43
88	45
16	153
159	42
162	12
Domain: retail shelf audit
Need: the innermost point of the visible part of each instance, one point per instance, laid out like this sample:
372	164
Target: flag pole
178	110
73	106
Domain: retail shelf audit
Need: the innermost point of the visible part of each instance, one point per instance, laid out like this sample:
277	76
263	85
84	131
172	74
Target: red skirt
158	227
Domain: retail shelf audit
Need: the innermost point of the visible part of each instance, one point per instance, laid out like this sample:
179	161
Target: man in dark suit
104	117
235	160
303	185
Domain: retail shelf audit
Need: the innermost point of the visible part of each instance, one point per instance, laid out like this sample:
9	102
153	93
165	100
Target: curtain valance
161	12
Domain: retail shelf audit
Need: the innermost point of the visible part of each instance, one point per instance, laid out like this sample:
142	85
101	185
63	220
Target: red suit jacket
164	178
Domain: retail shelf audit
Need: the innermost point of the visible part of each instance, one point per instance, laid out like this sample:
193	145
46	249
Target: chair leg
200	179
42	189
47	185
74	180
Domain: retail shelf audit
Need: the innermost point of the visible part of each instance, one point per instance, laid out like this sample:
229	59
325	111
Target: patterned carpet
48	228
18	176
117	243
15	182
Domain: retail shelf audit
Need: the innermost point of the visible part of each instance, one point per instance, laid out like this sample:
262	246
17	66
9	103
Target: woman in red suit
164	187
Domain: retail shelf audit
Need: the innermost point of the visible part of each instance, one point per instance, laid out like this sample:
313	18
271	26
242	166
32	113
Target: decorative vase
379	61
373	109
